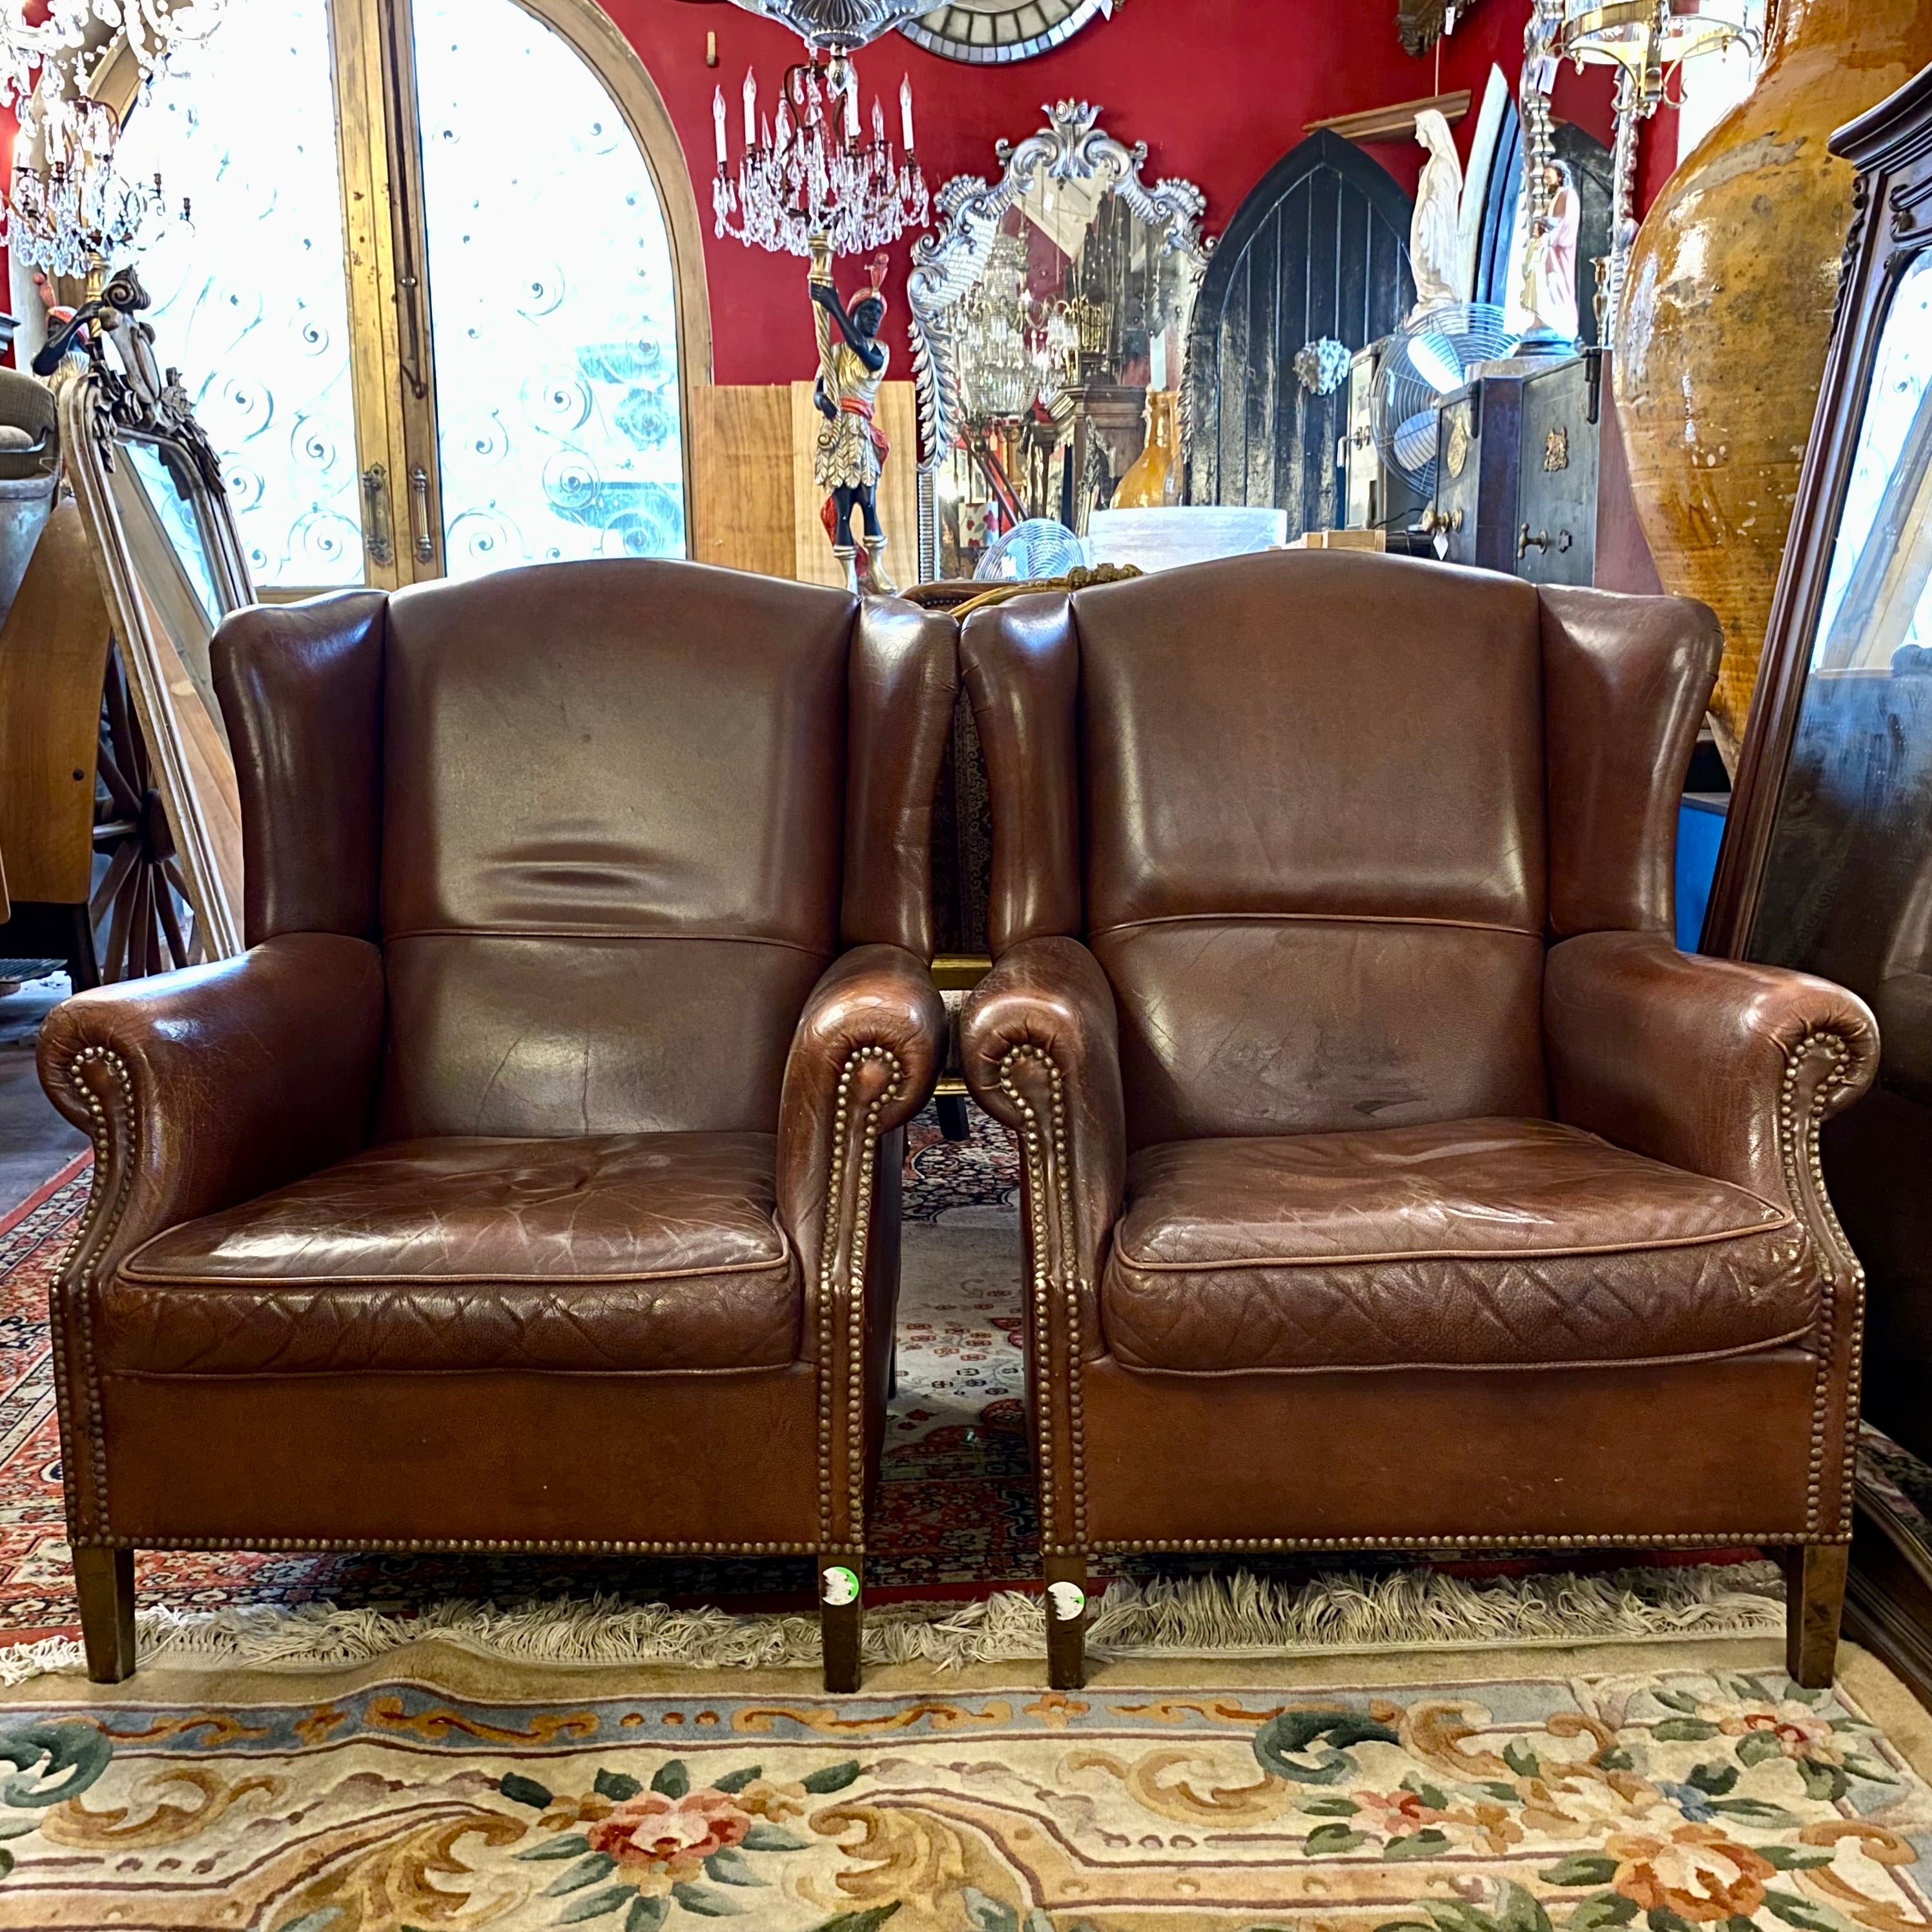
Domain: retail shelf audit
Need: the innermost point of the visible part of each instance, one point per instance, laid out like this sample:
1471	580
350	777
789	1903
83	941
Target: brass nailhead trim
854	1544
1798	1140
1625	1540
99	1224
349	1545
1055	1248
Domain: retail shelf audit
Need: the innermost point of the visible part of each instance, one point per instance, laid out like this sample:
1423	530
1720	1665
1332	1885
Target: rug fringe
1240	1614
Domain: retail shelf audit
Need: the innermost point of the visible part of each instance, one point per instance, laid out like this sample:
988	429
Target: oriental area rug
1668	1799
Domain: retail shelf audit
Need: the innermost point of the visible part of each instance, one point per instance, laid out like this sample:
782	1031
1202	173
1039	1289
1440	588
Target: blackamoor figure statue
852	451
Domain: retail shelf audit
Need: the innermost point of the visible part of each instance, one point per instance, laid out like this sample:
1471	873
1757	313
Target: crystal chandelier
46	61
838	26
1014	350
1645	40
811	175
69	211
73	212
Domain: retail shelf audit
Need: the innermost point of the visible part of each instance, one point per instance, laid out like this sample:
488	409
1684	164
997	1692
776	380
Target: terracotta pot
1727	316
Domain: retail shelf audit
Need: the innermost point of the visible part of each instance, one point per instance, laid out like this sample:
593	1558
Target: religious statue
852	451
1435	232
1550	263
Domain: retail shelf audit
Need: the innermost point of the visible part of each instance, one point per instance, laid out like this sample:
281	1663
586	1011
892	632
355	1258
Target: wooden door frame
380	147
1323	148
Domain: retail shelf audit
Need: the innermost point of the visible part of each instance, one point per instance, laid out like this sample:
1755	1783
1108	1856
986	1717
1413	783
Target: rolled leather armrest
1715	1066
1040	1045
871	1040
864	1060
203	1088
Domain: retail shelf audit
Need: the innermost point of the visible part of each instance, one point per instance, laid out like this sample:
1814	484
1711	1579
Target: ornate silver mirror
1050	316
151	493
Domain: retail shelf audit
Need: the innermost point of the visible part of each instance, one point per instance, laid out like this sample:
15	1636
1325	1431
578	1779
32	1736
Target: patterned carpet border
1668	1801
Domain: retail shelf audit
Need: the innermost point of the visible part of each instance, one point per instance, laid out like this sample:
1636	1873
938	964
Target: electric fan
1427	360
1031	553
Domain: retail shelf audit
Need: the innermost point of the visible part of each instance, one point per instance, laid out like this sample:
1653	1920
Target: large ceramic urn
1727	316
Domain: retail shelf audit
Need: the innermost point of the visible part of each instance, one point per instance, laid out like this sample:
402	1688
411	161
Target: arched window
428	337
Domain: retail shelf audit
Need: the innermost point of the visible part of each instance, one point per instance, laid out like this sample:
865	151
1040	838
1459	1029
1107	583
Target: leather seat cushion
610	1252
1467	1244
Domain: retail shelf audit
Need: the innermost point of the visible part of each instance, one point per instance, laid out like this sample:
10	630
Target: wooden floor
35	1143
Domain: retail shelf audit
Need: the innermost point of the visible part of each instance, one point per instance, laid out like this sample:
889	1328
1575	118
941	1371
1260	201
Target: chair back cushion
613	830
1315	866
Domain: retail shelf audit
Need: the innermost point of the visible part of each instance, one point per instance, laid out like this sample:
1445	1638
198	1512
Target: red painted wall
1219	89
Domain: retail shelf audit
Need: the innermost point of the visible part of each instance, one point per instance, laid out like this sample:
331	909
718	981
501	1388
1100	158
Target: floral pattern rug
1668	1802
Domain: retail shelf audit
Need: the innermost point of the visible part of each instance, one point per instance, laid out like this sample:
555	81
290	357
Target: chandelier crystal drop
47	61
74	212
813	174
69	211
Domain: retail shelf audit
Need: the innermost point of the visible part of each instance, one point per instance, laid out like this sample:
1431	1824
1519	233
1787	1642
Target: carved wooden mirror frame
113	395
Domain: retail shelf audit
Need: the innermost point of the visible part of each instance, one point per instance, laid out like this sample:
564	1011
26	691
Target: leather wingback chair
1391	1180
532	1182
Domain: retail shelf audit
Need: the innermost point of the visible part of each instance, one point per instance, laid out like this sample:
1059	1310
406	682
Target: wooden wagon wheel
142	919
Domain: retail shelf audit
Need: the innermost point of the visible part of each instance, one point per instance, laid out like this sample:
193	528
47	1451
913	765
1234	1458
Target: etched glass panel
251	300
552	301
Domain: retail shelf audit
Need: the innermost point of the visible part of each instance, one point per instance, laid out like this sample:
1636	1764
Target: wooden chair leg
1814	1600
842	1618
1067	1622
104	1581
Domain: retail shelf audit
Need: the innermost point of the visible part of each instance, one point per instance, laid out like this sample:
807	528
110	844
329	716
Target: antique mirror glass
1050	318
168	555
1845	880
1828	860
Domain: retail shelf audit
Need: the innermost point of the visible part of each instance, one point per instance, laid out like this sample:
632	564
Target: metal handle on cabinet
378	531
1526	542
419	497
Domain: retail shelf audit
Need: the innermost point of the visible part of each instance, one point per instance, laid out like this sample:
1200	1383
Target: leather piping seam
130	1271
1050	1213
1630	1539
824	953
1101	932
581	1547
99	1224
1660	1246
1798	1136
221	1378
854	1544
1741	1351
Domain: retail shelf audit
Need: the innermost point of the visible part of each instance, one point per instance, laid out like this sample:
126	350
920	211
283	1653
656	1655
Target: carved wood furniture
532	1182
1391	1180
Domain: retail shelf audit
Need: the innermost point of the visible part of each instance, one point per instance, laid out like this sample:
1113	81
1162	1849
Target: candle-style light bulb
851	102
905	111
751	108
717	123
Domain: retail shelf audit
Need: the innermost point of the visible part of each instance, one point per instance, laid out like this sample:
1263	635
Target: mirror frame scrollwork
948	262
108	401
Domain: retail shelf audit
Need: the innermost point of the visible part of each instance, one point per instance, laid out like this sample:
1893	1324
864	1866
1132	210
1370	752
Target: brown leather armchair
1391	1180
452	1216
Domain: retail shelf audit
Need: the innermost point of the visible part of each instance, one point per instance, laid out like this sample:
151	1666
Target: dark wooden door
1320	248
